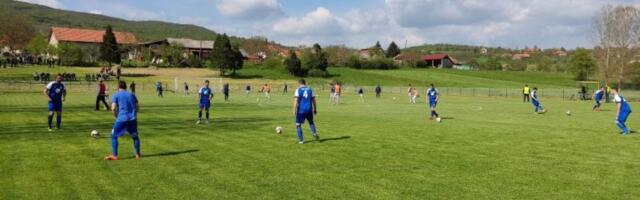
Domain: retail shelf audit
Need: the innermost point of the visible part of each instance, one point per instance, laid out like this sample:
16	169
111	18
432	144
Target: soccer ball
394	98
439	119
279	130
95	133
568	113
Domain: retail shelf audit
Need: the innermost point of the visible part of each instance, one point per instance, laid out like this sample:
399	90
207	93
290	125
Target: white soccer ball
279	130
439	119
568	113
95	133
394	98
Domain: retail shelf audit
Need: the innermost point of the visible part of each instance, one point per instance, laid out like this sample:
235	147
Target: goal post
195	83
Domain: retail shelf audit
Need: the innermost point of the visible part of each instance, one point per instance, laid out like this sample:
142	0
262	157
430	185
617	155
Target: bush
354	62
379	63
317	73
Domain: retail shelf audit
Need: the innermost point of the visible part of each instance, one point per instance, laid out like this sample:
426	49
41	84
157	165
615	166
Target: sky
360	23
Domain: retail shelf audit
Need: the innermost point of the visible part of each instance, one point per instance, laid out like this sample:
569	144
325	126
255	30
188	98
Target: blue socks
136	144
299	131
623	127
58	121
50	120
313	129
114	145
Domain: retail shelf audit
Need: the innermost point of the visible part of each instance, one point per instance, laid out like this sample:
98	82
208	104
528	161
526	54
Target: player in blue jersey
433	96
597	97
124	106
56	93
304	107
622	112
205	94
536	102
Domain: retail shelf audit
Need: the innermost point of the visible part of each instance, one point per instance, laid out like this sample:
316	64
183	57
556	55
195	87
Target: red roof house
88	36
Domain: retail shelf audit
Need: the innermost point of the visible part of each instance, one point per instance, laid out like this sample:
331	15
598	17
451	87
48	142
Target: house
440	61
368	53
520	56
484	51
90	40
198	48
560	53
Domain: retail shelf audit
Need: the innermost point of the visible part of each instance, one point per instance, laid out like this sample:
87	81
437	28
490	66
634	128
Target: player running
125	109
304	107
159	89
336	96
536	102
597	97
622	112
266	89
56	93
206	94
433	96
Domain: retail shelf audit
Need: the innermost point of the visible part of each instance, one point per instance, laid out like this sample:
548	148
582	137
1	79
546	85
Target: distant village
89	41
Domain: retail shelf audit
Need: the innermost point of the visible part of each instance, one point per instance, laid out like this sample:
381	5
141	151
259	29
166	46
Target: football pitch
485	148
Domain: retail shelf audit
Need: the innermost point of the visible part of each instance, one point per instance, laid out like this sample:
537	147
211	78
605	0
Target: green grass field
485	148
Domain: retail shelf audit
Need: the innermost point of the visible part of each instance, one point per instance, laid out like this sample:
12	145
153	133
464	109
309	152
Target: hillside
44	18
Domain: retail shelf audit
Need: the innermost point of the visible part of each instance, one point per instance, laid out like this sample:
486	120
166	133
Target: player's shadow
334	138
170	153
447	118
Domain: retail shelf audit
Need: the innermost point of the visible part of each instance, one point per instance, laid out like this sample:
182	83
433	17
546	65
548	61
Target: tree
109	51
393	50
222	56
238	60
70	54
617	34
172	53
317	63
582	64
37	46
293	64
15	30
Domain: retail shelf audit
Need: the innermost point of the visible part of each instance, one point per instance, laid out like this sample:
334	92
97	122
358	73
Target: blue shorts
433	104
120	127
300	117
205	105
622	117
55	106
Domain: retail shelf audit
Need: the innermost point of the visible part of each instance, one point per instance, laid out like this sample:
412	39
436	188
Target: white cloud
96	12
250	9
319	21
50	3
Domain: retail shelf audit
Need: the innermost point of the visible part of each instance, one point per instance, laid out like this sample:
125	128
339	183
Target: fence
239	86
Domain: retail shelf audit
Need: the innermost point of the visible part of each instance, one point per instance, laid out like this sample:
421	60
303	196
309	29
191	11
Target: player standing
361	94
225	91
206	94
247	89
536	102
410	93
378	91
186	89
56	93
622	112
102	94
597	97
433	96
159	89
124	106
304	107
336	96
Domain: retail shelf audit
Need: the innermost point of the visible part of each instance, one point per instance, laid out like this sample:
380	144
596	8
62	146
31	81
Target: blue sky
360	23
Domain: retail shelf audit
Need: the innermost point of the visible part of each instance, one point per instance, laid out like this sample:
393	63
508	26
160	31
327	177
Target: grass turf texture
485	148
